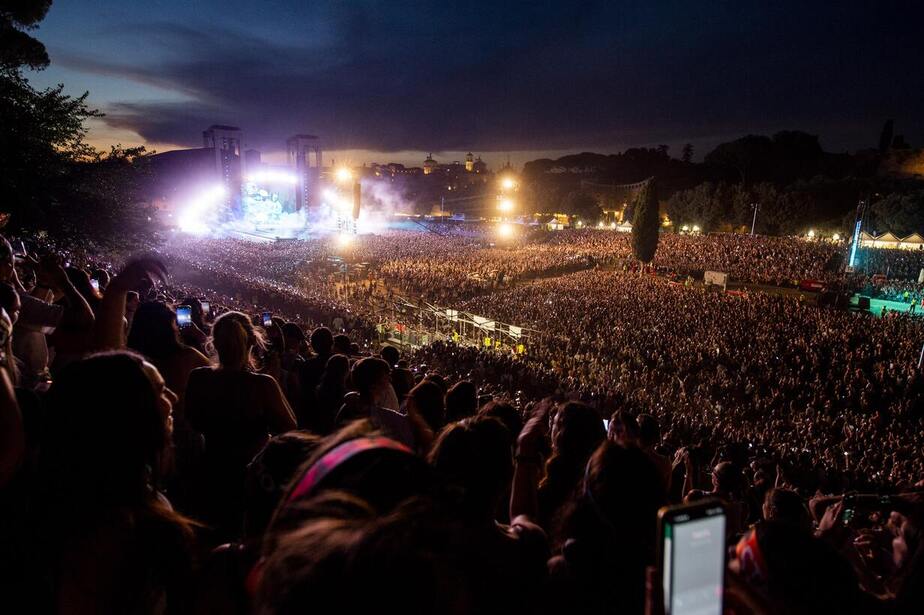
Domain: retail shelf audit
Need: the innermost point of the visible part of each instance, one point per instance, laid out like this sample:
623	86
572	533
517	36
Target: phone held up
267	319
184	315
691	557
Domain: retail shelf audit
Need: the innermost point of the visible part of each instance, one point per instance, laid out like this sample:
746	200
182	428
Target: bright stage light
505	205
344	175
272	176
836	237
507	183
505	230
811	234
344	240
193	218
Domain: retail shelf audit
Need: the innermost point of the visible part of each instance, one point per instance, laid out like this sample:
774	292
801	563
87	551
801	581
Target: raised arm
109	331
77	314
524	495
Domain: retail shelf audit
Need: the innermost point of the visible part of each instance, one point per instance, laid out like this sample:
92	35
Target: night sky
389	80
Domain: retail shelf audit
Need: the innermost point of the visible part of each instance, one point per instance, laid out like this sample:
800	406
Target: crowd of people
213	431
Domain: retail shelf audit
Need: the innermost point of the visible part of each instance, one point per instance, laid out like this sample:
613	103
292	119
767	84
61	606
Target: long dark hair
154	332
609	530
104	434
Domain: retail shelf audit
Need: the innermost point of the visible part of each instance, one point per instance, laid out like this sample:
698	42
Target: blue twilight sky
390	80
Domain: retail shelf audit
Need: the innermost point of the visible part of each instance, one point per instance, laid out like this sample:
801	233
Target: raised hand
141	272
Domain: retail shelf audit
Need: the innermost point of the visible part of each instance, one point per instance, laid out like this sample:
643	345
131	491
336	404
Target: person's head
108	421
342	344
270	472
234	337
80	279
336	369
372	380
623	484
426	400
391	354
294	337
610	528
358	460
403	381
506	414
322	340
475	455
154	331
727	479
461	401
9	301
624	428
576	431
649	432
797	572
786	506
7	260
437	379
342	557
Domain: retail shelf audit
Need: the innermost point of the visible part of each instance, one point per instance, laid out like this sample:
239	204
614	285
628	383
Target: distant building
429	165
469	162
299	149
227	145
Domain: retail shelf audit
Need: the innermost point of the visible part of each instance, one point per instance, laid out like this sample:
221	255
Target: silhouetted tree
582	205
645	223
901	214
41	132
687	154
17	48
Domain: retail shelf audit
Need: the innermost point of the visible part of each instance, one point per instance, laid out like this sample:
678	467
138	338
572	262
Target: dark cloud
388	76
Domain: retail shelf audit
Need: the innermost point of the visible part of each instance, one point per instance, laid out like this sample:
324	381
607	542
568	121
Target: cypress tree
645	223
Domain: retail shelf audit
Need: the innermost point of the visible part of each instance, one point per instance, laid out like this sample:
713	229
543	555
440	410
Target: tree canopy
49	176
583	205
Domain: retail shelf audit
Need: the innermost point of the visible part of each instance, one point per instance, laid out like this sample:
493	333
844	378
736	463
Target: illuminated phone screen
694	564
183	315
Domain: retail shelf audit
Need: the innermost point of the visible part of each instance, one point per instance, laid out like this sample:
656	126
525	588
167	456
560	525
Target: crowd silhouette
268	456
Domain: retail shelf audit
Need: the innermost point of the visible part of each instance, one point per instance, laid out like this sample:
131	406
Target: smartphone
267	319
606	425
95	284
205	307
184	315
691	557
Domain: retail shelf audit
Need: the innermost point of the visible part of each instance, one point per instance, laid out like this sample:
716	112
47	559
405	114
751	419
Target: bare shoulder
195	358
264	380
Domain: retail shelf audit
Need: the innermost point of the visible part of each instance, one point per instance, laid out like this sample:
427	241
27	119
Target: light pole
755	207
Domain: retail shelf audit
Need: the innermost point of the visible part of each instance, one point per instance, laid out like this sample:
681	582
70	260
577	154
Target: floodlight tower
227	142
299	149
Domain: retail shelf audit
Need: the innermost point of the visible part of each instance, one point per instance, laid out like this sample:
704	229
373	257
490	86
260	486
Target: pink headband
333	458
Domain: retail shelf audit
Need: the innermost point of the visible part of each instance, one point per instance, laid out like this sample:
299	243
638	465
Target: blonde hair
233	337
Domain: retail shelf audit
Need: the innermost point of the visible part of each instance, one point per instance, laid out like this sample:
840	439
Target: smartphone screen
95	284
693	558
267	319
606	425
183	315
205	307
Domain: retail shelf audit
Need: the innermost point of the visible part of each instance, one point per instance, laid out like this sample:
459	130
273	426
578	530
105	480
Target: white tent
914	241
